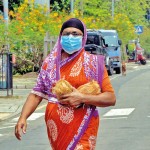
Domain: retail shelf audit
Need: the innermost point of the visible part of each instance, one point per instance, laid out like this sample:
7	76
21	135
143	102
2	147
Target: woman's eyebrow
71	32
74	31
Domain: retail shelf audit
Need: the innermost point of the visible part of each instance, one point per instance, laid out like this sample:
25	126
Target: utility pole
81	5
6	19
72	6
44	2
5	7
113	3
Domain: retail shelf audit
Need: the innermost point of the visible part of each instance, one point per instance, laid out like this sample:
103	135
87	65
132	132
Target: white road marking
119	112
135	67
40	107
113	118
148	116
116	76
10	123
7	127
1	134
34	116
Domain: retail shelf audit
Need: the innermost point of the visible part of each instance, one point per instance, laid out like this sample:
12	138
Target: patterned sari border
40	94
82	128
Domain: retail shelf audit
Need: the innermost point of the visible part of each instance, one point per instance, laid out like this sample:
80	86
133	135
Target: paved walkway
11	105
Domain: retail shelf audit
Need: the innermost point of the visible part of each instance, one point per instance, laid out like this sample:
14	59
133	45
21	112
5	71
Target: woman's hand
20	128
29	107
73	99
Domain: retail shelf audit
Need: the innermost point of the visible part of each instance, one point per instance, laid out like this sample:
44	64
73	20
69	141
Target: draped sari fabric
70	128
66	125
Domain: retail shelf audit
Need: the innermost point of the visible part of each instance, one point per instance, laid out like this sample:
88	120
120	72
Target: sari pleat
62	121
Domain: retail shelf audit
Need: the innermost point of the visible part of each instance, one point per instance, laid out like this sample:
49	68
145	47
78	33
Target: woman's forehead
72	29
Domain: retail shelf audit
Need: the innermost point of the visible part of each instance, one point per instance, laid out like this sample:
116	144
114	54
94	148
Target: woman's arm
102	100
29	107
76	98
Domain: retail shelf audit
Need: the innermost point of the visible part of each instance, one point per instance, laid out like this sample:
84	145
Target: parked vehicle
113	48
142	59
137	55
96	45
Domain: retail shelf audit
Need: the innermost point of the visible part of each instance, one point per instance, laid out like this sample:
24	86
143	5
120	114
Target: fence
6	80
49	42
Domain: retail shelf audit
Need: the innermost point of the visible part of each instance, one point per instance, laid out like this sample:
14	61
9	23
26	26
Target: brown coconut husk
90	88
64	87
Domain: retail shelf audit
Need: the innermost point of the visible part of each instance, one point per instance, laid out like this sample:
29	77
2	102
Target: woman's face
72	31
71	40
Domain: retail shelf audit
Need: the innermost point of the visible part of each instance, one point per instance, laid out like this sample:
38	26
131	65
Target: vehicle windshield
111	40
92	39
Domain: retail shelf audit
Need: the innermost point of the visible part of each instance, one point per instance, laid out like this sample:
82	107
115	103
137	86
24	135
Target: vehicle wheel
110	70
118	70
143	62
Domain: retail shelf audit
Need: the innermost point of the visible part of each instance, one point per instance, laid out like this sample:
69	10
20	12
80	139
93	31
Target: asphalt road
125	126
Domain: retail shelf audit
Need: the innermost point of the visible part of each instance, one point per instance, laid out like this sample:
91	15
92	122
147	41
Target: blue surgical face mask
71	44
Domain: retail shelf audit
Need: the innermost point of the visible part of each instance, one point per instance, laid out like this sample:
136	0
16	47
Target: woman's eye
66	34
71	33
75	34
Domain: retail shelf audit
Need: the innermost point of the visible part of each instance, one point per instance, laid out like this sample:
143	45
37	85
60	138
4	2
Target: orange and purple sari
71	128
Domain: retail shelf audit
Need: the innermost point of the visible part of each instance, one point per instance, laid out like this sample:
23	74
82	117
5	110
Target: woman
70	127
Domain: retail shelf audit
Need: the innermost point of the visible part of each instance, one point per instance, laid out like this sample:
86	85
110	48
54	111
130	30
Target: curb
19	109
12	114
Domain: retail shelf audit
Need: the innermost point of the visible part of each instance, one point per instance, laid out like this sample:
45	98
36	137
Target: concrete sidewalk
12	105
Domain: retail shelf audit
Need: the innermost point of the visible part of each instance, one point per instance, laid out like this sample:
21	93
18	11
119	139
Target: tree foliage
29	22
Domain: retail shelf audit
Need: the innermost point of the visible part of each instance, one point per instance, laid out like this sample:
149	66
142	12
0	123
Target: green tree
30	22
62	5
135	10
99	9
